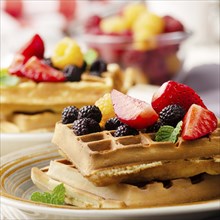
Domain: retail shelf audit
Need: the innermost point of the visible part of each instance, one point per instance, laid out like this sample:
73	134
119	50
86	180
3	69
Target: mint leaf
168	133
41	197
175	134
163	134
90	56
6	79
56	197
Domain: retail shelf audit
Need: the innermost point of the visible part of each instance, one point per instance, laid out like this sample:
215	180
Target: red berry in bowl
34	47
172	92
133	112
198	122
92	22
172	24
38	71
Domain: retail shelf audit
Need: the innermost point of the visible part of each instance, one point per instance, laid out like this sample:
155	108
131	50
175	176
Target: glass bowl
158	60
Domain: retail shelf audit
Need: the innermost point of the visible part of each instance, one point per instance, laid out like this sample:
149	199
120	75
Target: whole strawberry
172	92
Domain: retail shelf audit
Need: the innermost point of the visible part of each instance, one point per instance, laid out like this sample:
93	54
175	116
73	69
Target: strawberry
133	112
92	22
16	65
38	71
198	122
172	24
175	93
34	47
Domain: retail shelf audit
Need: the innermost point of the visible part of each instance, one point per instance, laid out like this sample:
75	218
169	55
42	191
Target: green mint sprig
90	56
7	79
56	197
169	133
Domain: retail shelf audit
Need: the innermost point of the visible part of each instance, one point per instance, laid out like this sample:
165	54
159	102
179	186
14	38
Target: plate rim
8	199
211	205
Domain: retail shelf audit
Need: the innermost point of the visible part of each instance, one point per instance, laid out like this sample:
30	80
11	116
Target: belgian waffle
105	159
82	193
29	96
41	121
34	100
73	196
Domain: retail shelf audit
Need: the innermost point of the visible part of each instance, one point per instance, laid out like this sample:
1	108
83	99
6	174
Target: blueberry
72	73
98	67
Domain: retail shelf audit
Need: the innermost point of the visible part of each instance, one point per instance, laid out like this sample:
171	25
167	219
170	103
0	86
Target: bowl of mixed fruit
139	38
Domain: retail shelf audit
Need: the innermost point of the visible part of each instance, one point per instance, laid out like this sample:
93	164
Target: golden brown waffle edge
179	191
29	96
105	159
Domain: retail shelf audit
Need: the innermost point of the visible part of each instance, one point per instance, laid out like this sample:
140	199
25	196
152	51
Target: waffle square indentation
92	137
101	145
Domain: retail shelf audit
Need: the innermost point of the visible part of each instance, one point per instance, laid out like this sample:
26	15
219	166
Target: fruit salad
35	88
140	38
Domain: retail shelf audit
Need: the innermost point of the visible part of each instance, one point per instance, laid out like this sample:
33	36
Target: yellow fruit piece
114	24
67	52
173	64
106	107
132	11
149	21
144	40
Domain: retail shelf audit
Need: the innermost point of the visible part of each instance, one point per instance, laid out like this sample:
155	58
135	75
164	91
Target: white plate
11	142
16	188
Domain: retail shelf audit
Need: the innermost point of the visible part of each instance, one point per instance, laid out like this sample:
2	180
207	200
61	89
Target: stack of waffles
103	170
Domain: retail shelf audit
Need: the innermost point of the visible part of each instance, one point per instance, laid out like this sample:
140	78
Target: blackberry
72	73
90	111
124	130
85	126
69	114
155	127
98	67
171	115
113	123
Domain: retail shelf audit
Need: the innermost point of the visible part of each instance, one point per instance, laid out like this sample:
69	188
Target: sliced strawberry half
172	92
198	122
17	65
34	47
133	112
36	70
